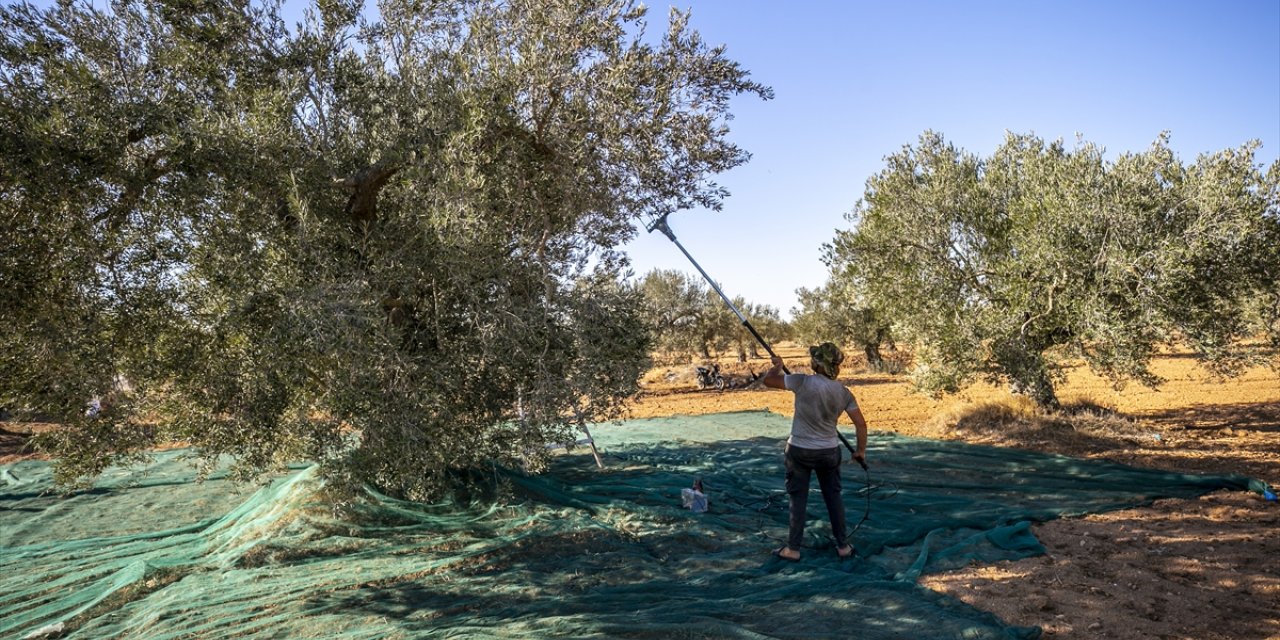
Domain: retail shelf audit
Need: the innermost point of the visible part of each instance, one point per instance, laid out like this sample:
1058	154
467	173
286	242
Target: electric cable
778	499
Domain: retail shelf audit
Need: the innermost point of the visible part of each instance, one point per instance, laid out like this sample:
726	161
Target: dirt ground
1203	569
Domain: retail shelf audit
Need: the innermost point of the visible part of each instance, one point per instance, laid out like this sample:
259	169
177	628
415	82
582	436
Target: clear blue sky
855	81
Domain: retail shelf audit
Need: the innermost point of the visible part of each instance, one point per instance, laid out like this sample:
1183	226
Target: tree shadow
604	584
584	552
14	444
1248	416
1202	563
641	567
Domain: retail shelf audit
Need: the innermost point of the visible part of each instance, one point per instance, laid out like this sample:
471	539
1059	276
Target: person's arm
774	378
860	423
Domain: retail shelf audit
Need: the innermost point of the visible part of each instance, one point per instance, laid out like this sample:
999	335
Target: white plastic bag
694	500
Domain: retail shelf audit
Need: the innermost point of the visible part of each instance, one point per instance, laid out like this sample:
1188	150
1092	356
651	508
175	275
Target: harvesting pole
661	225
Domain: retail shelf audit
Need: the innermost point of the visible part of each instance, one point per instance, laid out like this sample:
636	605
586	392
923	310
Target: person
814	447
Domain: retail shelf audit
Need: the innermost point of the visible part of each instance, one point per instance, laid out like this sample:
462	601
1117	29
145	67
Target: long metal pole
661	225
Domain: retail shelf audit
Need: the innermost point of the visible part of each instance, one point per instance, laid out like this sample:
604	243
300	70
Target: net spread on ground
578	552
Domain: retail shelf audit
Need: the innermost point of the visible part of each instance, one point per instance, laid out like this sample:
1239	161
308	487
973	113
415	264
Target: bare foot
787	553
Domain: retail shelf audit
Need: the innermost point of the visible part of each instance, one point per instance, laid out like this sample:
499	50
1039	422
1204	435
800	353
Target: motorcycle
711	378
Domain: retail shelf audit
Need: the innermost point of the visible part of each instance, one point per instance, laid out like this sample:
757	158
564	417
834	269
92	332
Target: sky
856	81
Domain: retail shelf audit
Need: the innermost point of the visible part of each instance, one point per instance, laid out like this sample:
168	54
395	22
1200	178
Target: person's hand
861	457
777	361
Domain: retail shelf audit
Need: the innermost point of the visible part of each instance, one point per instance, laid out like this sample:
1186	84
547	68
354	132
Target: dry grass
1017	420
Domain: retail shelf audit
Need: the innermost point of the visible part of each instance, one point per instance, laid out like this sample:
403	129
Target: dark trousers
826	464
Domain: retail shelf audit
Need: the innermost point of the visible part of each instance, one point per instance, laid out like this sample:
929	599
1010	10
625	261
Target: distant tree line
688	319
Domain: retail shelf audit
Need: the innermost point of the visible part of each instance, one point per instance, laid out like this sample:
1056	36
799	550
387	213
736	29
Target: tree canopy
383	244
999	267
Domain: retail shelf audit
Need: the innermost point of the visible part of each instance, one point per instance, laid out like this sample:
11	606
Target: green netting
579	553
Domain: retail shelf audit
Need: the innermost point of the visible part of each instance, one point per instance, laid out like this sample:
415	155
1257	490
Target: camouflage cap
828	355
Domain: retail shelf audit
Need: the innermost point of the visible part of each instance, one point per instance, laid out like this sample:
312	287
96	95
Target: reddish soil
1203	569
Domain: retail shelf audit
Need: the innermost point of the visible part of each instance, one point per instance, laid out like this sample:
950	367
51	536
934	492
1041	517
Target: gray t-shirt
819	403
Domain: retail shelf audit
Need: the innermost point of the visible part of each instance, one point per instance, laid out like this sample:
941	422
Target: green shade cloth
578	552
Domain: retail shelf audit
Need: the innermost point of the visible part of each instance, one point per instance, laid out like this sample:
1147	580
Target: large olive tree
1001	266
385	244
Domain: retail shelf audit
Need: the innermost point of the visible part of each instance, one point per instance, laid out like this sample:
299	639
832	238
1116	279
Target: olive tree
836	312
1000	267
674	306
685	317
385	244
